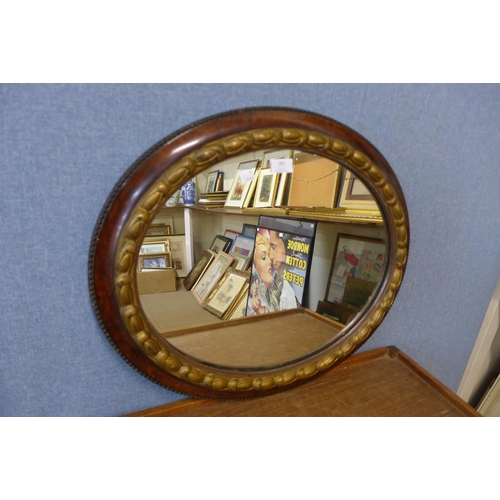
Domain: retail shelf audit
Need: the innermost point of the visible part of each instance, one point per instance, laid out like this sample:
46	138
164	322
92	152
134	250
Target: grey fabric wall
63	147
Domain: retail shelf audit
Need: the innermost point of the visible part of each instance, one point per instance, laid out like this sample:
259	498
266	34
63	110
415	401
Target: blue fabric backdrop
63	147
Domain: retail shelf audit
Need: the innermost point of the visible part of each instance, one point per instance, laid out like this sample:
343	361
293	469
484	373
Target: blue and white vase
189	192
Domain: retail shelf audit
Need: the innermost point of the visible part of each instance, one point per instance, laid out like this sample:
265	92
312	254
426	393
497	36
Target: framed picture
251	191
243	178
314	182
283	189
243	245
194	275
275	155
163	220
354	194
240	262
226	292
178	250
219	183
220	244
282	256
155	261
211	181
159	230
229	233
338	312
176	244
211	277
249	230
358	264
153	248
265	191
239	309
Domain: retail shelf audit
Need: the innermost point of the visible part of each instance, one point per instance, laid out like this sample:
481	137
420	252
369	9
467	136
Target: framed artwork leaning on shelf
243	180
211	181
176	244
159	230
155	261
314	182
238	309
154	248
211	277
243	245
229	233
265	192
281	260
194	275
220	244
227	291
354	194
178	250
249	230
241	262
357	267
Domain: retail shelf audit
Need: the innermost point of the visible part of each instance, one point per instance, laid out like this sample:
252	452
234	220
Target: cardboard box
158	281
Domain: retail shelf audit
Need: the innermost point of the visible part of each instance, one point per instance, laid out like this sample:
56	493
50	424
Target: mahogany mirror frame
159	173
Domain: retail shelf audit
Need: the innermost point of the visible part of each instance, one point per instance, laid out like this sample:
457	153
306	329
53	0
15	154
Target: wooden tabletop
382	382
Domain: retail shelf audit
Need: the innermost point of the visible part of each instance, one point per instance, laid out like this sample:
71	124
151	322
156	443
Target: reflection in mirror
271	232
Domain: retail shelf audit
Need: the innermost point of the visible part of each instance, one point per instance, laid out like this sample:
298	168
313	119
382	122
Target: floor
262	342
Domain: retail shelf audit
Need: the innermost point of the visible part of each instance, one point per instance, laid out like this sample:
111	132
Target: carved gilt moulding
159	173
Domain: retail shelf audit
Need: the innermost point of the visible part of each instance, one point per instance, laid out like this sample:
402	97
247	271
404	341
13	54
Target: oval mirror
248	252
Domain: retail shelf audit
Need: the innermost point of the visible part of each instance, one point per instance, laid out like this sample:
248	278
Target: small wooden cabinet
380	383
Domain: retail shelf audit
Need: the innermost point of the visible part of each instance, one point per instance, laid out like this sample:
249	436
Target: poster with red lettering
282	256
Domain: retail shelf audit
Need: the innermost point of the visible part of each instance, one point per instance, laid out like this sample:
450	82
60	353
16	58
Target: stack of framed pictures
219	280
162	225
308	181
215	181
213	200
176	245
154	256
155	261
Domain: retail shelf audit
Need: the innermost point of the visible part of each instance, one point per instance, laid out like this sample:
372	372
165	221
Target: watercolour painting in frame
211	277
243	179
226	292
194	275
155	261
355	258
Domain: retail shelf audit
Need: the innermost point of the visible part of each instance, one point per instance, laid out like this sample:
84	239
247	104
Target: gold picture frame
176	245
154	247
155	261
226	293
354	194
208	281
265	192
211	181
240	190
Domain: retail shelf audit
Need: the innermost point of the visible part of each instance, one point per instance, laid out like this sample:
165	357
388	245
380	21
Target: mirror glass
287	256
248	252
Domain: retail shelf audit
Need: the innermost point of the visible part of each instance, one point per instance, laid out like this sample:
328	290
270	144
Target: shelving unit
201	224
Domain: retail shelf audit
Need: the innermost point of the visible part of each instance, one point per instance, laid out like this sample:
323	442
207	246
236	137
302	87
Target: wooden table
380	383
